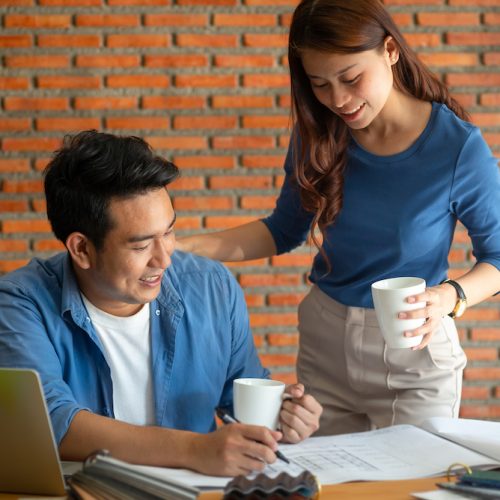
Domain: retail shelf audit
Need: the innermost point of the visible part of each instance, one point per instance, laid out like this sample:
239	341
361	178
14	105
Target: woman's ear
391	49
81	249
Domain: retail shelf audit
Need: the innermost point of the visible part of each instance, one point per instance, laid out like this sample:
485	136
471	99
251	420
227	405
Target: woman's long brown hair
321	138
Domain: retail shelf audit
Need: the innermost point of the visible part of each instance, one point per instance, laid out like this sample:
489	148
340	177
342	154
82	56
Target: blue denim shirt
200	341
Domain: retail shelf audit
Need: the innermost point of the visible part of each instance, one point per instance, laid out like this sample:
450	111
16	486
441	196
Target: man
135	344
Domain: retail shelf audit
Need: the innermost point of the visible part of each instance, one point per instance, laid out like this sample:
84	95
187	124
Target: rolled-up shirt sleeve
289	223
475	197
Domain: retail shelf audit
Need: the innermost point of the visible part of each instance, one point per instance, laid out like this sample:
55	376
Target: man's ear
81	249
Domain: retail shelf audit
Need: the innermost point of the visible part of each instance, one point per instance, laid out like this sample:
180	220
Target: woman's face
353	86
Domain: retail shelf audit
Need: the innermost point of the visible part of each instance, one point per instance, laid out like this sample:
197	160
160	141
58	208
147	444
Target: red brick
248	263
205	161
273	3
447	19
475	2
272	319
188	223
13	245
80	40
286	19
490	99
244	101
266	80
413	2
402	19
207	2
492	18
481	314
47	245
67	123
37	21
492	59
173	102
457	255
70	3
140	3
205	122
106	102
14	124
107	20
183	19
240	181
473	392
245	20
423	39
13	83
26	226
141	81
36	103
227	221
269	280
282	339
285	299
15	41
13	206
293	260
258	202
203	203
41	163
481	353
268	121
449	58
254	300
278	359
204	40
265	40
22	186
68	82
138	40
14	165
473	79
30	144
239	142
37	61
479	38
482	373
39	205
493	140
137	122
186	183
6	266
205	81
16	3
486	119
178	142
243	61
477	412
466	100
486	334
284	101
287	377
175	61
263	161
108	61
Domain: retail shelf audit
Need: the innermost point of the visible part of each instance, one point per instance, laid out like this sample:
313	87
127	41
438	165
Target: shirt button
157	312
87	319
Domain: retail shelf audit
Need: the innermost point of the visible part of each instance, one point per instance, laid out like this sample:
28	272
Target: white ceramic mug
389	299
257	401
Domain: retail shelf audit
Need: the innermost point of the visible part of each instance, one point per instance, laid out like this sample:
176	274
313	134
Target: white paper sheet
399	452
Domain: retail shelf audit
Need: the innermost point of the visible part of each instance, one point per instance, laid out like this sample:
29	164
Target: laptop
29	459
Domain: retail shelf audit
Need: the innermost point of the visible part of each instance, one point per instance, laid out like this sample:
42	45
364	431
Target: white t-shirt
127	350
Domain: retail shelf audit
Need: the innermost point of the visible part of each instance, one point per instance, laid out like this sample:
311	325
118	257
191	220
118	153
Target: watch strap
461	298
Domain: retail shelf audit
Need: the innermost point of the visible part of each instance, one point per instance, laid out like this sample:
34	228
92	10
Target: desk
377	490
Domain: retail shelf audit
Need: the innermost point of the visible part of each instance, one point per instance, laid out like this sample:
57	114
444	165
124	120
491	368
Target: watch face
460	308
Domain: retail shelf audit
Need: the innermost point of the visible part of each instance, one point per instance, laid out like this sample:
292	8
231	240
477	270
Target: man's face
127	271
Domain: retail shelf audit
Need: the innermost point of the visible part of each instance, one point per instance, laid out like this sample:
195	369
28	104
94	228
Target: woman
383	162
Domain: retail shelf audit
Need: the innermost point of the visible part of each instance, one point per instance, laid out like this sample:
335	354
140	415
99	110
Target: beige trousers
362	384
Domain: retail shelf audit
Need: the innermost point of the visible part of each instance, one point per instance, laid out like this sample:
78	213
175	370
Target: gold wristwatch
461	304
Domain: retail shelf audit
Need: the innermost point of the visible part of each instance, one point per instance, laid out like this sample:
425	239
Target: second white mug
257	401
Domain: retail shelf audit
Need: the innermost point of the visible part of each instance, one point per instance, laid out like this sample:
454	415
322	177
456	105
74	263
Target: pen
228	419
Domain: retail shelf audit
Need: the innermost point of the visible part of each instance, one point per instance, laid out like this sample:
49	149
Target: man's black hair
89	170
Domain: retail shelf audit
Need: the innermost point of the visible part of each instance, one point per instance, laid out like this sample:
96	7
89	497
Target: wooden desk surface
377	490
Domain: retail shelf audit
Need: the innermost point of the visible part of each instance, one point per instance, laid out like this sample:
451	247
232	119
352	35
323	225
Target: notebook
29	459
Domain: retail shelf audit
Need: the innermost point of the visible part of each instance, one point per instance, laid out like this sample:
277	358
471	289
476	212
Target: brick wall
206	83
